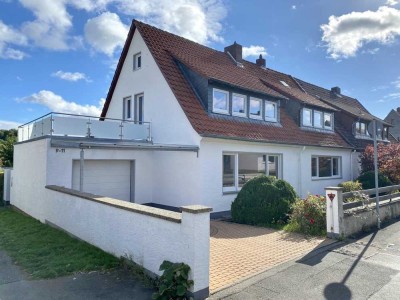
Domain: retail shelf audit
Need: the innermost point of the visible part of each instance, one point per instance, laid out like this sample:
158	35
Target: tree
4	134
7	151
388	160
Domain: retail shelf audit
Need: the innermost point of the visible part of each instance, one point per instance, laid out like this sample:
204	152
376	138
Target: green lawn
45	252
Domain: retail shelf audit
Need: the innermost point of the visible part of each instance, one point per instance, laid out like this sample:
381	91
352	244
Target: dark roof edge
121	62
215	136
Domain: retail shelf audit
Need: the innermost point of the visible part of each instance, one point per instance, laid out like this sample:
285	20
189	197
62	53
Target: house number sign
60	150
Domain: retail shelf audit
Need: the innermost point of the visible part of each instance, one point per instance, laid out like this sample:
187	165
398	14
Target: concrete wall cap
133	207
196	209
334	188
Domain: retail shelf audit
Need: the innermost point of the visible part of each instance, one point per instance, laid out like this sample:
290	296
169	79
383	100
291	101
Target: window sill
239	115
256	118
230	193
221	112
325	178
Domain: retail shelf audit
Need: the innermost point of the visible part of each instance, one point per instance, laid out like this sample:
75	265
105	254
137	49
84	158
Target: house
393	118
186	124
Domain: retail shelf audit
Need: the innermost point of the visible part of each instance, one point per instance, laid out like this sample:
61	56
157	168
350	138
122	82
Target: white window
239	105
318	119
255	108
361	129
127	108
137	61
220	101
139	108
325	167
271	111
307	117
328	124
238	168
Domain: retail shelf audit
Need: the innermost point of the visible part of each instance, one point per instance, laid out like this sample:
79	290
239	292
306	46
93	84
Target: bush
351	186
263	200
308	216
174	282
367	180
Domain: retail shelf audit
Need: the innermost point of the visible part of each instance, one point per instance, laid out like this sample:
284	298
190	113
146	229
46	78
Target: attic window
220	101
137	61
284	83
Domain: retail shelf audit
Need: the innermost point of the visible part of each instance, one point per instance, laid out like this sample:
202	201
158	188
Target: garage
111	178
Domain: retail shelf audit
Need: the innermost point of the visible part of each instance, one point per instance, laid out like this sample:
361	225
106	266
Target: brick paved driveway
241	251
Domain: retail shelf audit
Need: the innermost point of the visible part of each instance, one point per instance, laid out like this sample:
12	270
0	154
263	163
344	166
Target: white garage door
111	178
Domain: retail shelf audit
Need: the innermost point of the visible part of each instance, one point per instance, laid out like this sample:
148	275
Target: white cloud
396	83
106	33
69	76
294	7
198	20
8	124
346	34
371	51
11	36
254	51
56	103
392	2
392	96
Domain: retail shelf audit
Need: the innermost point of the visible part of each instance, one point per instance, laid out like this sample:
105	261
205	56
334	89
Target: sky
60	55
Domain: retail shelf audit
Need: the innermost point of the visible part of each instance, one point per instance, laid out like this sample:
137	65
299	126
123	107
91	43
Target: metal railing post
81	170
88	133
121	133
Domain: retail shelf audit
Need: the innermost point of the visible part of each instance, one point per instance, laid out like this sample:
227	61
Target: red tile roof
166	48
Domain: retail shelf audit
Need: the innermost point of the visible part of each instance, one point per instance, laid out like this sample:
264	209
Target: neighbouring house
393	118
186	124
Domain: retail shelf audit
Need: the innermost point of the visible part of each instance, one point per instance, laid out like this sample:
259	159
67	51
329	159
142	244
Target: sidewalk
367	268
14	284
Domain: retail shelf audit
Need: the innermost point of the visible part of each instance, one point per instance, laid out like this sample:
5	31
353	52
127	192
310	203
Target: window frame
269	119
358	127
138	112
311	117
339	167
244	114
331	118
218	110
321	113
236	188
251	116
136	61
127	108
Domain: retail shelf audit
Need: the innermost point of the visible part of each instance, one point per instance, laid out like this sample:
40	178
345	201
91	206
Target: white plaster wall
59	171
169	123
296	173
29	177
176	178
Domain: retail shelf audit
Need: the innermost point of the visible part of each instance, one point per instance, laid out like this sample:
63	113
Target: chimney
398	110
261	61
235	50
336	90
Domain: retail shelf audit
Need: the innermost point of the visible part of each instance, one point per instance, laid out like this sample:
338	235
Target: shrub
308	216
263	200
351	186
367	179
174	282
388	160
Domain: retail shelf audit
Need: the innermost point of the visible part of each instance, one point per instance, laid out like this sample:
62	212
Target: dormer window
239	105
271	111
255	108
137	61
317	119
361	129
220	101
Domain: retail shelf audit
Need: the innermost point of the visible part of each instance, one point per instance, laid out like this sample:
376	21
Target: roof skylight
284	83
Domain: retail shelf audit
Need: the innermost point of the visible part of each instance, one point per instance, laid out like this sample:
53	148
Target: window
307	119
318	117
255	108
220	101
361	129
284	83
270	111
127	108
137	61
239	105
139	108
328	121
325	167
238	168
